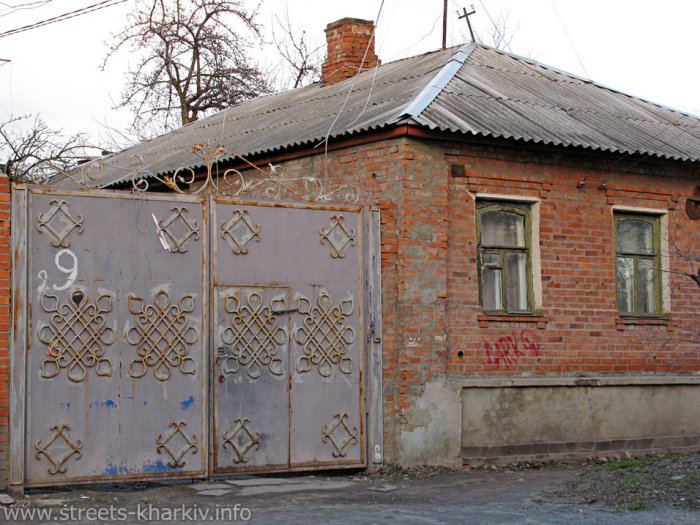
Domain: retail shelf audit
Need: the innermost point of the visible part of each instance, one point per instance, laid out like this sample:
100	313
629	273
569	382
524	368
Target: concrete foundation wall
568	421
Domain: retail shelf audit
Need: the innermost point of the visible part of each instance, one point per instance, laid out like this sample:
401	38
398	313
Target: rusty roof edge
438	83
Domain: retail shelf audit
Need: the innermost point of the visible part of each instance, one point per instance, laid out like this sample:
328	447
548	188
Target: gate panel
314	254
252	377
115	366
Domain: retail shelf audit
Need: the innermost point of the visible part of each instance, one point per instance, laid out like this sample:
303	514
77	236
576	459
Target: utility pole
444	24
466	16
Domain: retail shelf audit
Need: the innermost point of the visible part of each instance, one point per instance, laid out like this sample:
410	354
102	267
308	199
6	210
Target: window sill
622	322
539	320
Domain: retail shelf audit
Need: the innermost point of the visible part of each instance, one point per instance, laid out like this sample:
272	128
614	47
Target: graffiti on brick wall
508	350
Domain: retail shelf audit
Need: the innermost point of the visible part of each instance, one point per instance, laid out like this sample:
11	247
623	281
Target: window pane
635	236
503	228
647	288
491	281
625	285
517	281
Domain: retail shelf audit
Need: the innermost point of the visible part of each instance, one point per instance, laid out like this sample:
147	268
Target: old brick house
534	296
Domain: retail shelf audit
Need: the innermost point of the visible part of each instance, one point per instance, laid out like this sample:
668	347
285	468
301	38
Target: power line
10	8
65	16
499	34
563	25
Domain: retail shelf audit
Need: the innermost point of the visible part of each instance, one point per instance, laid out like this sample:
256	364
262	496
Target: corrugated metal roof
472	90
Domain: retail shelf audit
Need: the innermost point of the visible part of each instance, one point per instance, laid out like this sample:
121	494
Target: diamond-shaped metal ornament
338	236
176	443
58	449
58	223
241	439
176	230
339	435
239	231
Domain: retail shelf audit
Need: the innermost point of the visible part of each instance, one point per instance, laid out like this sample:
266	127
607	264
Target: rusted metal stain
692	205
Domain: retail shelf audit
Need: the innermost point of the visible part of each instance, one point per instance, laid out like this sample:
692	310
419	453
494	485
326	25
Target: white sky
644	48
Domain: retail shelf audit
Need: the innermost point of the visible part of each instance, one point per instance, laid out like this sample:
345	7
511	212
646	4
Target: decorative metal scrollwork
58	449
162	335
272	184
76	336
325	335
254	337
171	241
241	439
338	236
339	435
239	231
176	443
59	233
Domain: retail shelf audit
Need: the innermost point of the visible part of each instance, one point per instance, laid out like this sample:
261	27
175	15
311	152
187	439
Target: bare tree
499	34
193	58
33	152
301	60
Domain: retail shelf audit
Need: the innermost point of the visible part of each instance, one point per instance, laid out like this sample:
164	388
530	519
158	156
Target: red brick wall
5	288
580	331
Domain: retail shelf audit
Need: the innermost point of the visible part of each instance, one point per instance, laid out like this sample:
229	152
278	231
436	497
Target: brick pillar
5	291
347	42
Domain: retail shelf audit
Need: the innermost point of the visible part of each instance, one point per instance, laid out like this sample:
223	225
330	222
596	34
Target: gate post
18	338
375	403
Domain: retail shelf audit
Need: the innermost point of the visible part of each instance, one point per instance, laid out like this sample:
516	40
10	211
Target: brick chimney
347	39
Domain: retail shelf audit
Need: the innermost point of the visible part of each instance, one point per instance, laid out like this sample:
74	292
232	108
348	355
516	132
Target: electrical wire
563	25
64	16
352	87
9	8
501	35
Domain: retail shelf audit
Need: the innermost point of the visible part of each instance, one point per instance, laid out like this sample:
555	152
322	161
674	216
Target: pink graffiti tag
509	349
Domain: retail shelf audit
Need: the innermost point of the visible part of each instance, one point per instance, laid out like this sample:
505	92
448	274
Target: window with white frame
504	232
638	264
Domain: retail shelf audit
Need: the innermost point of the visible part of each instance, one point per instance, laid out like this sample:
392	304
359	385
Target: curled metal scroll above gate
215	178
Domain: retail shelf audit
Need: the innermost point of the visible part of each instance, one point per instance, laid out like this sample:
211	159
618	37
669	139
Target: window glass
625	284
647	295
503	228
516	264
635	236
491	282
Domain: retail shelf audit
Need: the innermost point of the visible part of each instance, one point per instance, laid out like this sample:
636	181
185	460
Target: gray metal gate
116	332
288	317
138	365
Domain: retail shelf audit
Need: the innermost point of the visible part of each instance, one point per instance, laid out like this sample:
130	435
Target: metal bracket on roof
438	83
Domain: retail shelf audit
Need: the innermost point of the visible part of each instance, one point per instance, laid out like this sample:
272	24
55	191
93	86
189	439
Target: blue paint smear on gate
115	470
187	403
148	468
158	466
103	404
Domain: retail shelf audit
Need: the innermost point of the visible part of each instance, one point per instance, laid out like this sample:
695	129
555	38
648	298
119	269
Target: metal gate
287	317
167	335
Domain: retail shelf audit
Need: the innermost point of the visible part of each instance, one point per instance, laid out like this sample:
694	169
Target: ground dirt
638	484
652	490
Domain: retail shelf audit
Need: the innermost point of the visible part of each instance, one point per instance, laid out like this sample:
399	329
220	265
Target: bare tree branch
301	61
33	152
193	58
